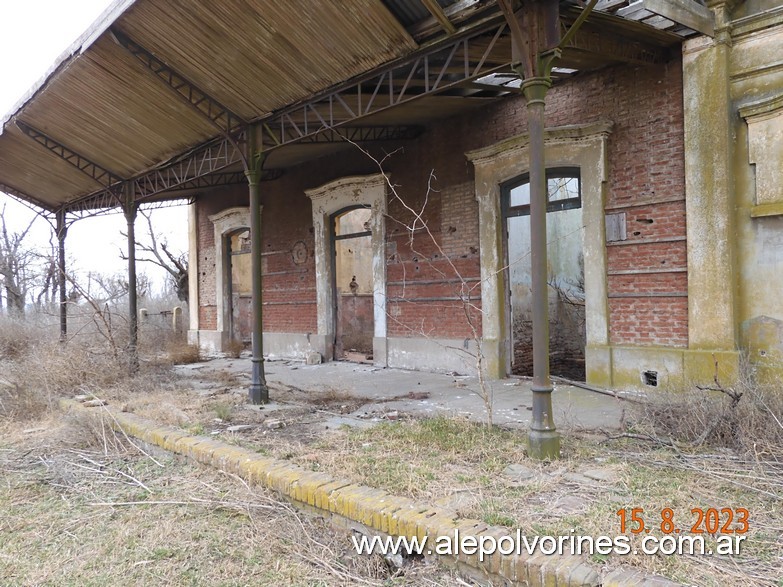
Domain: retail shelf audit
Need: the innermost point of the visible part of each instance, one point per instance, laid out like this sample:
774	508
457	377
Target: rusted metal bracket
364	134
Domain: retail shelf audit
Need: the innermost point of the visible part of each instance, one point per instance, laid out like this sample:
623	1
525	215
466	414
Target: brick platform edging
376	510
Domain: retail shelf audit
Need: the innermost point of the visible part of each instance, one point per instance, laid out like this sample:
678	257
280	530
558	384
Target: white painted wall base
439	355
285	345
277	345
209	341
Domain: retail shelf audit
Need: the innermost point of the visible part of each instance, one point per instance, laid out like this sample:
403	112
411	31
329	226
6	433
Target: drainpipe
62	229
259	392
543	438
129	209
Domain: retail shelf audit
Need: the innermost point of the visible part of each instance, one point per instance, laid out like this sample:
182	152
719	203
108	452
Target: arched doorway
232	274
353	284
565	267
330	201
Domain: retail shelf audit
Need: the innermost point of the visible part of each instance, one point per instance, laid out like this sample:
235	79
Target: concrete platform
430	393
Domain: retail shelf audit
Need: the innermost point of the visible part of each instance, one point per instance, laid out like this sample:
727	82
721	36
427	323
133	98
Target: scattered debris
603	475
519	472
418	395
239	428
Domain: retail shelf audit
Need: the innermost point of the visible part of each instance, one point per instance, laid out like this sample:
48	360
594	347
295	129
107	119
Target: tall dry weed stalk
746	417
465	290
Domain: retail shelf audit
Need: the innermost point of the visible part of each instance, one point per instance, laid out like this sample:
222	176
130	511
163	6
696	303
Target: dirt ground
483	473
84	507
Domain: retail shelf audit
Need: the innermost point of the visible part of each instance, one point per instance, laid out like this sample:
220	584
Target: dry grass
16	337
460	465
234	348
207	530
83	506
747	418
179	352
48	371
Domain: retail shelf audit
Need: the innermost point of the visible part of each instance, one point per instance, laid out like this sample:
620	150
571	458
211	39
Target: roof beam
364	134
427	73
227	178
685	12
436	69
99	174
437	12
206	160
613	48
212	110
431	71
25	198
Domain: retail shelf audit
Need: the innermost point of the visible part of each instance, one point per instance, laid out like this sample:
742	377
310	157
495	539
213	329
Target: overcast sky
33	33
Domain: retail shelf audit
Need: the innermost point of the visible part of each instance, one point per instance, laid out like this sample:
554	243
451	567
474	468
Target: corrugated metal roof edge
107	18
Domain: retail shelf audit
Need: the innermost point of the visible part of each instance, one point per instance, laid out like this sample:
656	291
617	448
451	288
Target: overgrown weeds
233	349
16	337
47	371
36	370
747	418
179	352
84	506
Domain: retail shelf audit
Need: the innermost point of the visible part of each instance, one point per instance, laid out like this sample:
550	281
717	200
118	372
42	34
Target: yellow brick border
374	509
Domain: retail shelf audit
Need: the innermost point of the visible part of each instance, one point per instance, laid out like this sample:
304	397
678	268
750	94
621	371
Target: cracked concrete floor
421	394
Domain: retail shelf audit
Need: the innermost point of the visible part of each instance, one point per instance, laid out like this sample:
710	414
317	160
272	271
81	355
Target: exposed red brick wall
434	179
207	317
288	289
649	321
646	164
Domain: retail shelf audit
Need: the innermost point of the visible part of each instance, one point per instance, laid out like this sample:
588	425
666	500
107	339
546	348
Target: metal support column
259	392
130	209
535	44
62	230
543	438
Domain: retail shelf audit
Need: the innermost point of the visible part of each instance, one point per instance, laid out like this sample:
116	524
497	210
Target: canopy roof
160	93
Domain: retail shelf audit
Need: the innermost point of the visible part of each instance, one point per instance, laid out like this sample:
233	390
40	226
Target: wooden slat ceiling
254	57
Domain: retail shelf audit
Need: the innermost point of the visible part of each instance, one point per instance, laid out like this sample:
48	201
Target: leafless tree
466	291
158	253
49	274
17	262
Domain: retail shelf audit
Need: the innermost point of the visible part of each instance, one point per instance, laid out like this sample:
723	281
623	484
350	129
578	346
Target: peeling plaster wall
756	102
733	96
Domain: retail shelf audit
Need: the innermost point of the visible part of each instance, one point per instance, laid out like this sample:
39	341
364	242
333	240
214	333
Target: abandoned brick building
394	180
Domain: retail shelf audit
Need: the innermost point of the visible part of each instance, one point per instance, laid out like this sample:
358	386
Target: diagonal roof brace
226	178
214	156
364	134
438	14
216	113
101	175
23	197
429	72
